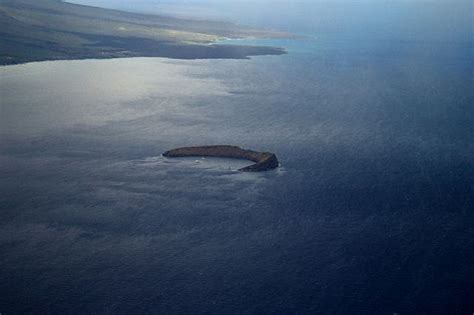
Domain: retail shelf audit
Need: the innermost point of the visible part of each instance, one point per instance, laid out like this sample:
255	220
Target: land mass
36	30
264	161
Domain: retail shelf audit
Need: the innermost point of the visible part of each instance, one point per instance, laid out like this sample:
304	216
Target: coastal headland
37	30
264	161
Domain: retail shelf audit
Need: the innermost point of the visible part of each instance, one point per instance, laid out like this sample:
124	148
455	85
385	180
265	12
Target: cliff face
264	161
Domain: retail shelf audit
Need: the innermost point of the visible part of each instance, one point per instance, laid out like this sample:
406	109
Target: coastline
56	30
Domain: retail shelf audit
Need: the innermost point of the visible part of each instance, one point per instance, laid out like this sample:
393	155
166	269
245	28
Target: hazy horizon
403	20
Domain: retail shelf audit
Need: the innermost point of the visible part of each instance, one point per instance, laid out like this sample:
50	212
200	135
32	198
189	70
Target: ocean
370	114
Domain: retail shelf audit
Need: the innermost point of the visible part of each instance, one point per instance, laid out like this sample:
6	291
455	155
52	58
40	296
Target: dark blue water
371	212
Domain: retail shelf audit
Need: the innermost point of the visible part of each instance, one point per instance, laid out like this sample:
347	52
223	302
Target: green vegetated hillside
33	30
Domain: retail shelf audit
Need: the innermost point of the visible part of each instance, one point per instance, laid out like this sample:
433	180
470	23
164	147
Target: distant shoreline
40	30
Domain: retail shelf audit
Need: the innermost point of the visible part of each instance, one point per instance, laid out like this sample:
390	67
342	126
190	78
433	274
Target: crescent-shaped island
264	161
